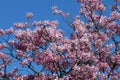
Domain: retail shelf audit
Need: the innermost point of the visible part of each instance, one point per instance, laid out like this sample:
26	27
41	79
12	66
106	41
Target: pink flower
9	31
2	46
79	0
103	20
103	37
42	76
14	70
2	66
29	15
1	73
115	15
115	77
53	23
59	34
19	53
20	25
34	23
101	7
117	0
24	63
3	56
54	7
102	66
1	32
11	42
55	10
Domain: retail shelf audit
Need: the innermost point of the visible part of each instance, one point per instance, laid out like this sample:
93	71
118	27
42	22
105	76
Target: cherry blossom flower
2	46
1	32
29	15
9	31
3	56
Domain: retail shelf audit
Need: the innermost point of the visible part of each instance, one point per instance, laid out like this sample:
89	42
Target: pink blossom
20	25
14	70
19	53
29	15
115	15
1	32
116	58
103	20
102	65
101	7
25	62
63	14
2	46
115	77
3	56
53	23
56	11
11	42
117	0
9	31
34	23
42	76
2	66
1	73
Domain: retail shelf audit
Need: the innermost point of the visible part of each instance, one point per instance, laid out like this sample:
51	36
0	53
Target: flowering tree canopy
92	52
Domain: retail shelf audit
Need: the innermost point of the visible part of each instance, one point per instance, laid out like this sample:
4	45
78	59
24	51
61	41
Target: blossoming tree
92	52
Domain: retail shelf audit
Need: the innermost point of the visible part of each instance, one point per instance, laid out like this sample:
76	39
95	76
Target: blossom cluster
92	52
